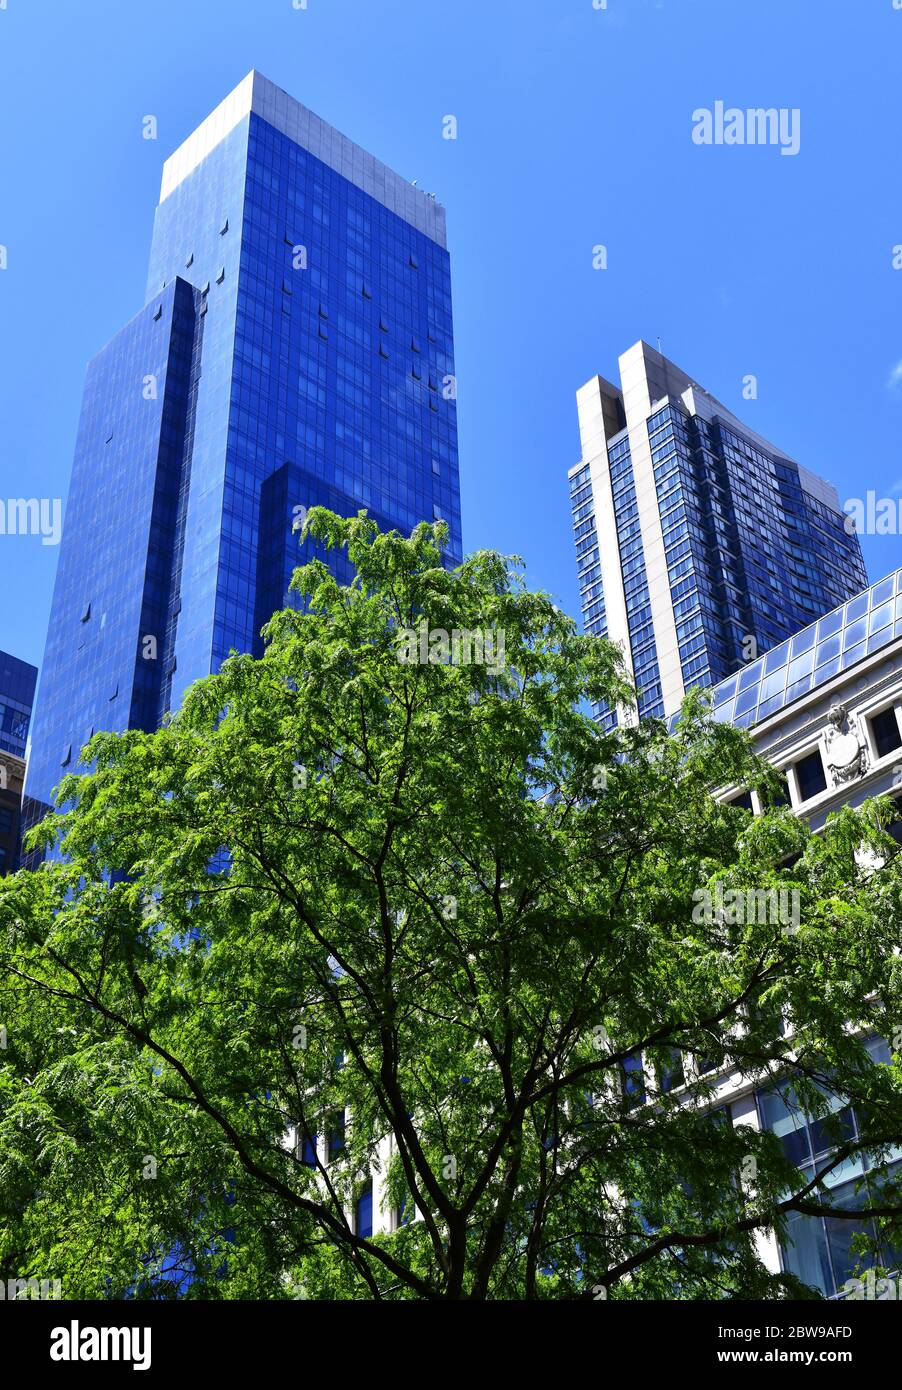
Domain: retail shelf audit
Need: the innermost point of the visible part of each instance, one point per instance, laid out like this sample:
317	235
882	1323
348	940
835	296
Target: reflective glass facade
749	551
103	662
585	536
816	654
635	580
818	1250
17	684
712	546
295	349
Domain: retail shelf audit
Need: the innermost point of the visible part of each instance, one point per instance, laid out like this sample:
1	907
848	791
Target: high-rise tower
700	546
295	349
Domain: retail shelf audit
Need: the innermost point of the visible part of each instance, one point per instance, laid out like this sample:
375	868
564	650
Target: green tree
439	898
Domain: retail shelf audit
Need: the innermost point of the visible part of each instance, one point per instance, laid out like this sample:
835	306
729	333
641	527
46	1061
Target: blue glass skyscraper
700	546
295	349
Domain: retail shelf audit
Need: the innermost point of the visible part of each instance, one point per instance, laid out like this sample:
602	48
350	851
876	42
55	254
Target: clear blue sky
574	129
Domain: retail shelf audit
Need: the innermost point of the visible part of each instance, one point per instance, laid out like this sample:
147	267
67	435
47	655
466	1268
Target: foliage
441	898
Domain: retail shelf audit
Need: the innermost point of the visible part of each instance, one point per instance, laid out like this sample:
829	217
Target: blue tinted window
830	624
633	1079
363	1223
810	776
337	1134
778	657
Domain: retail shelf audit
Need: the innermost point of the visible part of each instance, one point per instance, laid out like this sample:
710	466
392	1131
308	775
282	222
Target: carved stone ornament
847	754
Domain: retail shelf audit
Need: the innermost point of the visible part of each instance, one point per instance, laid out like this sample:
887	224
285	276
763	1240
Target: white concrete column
745	1112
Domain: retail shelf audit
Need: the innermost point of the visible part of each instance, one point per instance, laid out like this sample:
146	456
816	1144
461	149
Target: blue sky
574	130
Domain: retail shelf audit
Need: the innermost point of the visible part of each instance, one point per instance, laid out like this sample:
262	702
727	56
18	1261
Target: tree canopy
436	896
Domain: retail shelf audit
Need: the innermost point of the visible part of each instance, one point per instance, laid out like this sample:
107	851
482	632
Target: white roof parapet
255	93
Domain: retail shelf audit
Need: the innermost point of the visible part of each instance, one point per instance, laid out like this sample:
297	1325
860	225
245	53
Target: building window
743	800
3	859
632	1080
15	723
336	1134
6	821
819	1249
780	797
885	728
895	826
804	1139
306	1148
363	1212
810	775
670	1070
